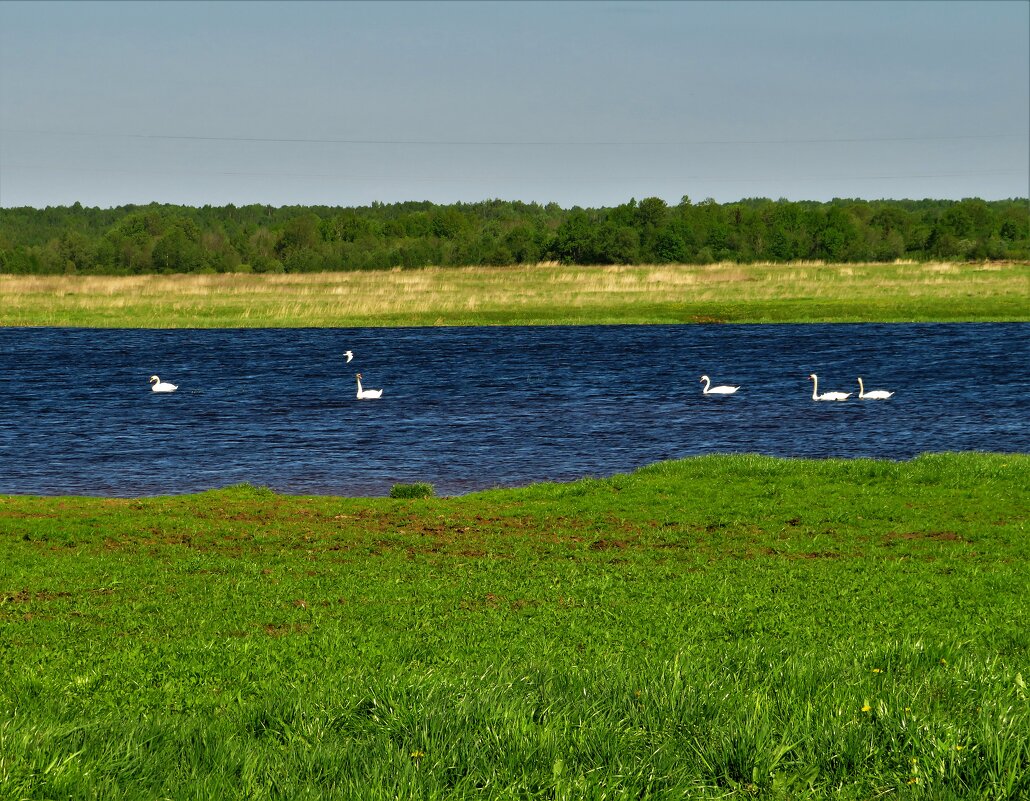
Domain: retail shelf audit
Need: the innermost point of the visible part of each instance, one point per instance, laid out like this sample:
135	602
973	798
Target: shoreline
794	462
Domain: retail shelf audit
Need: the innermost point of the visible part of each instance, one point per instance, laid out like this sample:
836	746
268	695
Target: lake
473	408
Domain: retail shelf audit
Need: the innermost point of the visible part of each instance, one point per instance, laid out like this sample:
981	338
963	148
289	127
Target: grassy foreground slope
537	295
715	627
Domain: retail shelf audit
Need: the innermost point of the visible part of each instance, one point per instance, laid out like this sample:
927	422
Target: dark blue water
471	408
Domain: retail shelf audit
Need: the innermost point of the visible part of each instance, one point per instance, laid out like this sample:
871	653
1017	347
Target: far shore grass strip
545	294
718	627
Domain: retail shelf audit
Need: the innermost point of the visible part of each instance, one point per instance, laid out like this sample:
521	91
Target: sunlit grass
539	294
739	627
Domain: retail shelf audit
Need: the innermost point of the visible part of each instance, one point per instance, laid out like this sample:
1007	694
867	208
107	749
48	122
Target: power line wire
547	178
512	143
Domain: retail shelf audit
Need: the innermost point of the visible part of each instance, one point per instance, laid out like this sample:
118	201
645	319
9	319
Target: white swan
876	394
710	390
829	396
348	354
161	386
367	394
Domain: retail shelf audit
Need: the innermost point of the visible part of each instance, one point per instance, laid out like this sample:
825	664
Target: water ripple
471	408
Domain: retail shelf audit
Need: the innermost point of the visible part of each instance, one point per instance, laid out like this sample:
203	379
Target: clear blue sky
580	103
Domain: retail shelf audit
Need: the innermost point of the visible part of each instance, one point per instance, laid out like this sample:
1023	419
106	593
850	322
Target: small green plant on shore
419	489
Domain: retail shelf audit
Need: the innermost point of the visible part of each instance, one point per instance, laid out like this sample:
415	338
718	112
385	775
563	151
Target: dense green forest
160	238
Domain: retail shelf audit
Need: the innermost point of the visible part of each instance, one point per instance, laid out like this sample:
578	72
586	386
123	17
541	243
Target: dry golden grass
544	293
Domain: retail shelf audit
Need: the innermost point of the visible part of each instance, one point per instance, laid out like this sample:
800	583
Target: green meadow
717	627
541	294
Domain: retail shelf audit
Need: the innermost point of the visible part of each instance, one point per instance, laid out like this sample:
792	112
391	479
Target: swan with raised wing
720	390
161	386
876	394
367	394
826	396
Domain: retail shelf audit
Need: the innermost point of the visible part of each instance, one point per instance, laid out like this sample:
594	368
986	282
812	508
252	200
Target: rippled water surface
471	408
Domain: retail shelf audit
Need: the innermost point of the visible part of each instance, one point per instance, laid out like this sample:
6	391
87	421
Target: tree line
162	238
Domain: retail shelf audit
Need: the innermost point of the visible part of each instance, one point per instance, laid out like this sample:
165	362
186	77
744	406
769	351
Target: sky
577	103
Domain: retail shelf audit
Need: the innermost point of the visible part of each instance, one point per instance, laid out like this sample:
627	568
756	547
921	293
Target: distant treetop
159	238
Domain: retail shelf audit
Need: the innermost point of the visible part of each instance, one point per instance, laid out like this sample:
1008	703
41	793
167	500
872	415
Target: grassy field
723	626
539	295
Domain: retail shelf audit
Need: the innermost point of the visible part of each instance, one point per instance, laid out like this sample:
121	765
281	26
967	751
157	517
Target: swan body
367	394
722	390
348	354
826	396
161	386
876	394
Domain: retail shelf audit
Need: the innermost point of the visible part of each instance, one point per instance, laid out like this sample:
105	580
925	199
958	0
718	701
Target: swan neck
815	388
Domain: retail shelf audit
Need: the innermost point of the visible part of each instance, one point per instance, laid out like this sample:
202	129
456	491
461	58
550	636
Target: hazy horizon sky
579	103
